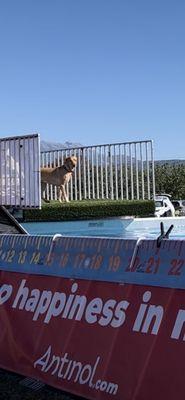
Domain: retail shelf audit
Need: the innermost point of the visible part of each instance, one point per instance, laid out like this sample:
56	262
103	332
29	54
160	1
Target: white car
164	206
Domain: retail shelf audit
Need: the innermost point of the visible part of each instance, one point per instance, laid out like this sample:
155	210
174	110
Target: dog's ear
74	159
71	159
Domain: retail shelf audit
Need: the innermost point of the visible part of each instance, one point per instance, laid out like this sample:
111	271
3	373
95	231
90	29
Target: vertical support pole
79	174
92	162
84	173
111	173
126	171
147	171
137	179
75	177
153	170
101	172
116	173
97	172
131	172
88	175
121	172
106	172
142	173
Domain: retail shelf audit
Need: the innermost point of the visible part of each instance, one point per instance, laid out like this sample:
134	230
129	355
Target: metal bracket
56	236
163	235
135	251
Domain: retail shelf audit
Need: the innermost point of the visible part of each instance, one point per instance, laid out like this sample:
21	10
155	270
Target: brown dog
58	176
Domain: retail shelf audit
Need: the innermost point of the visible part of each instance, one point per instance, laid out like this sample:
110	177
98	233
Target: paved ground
11	388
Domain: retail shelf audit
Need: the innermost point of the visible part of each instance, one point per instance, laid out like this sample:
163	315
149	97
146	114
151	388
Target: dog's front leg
62	194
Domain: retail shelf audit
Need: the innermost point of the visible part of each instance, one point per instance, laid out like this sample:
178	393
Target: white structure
20	171
112	171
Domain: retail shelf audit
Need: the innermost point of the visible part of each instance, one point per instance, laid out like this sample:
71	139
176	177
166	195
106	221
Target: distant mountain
49	146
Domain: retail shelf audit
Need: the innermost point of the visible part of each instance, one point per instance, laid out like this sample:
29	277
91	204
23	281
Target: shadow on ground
11	388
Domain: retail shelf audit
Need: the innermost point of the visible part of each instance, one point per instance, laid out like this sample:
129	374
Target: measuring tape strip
104	259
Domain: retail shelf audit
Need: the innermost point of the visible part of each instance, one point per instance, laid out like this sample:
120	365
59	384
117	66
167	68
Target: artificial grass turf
90	209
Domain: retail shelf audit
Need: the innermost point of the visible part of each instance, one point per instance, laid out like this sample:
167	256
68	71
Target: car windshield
158	203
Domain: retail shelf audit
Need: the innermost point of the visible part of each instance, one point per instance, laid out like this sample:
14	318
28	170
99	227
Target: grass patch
90	209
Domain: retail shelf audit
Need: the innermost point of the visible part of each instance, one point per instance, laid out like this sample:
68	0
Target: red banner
99	340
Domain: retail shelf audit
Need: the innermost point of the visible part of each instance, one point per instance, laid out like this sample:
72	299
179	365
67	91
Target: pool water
112	227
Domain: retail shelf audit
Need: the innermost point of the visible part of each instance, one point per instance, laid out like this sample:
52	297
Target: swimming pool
112	227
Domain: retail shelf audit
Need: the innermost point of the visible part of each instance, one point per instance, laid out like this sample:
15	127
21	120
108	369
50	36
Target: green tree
170	179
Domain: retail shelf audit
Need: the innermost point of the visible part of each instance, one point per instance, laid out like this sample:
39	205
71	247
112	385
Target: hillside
170	162
49	146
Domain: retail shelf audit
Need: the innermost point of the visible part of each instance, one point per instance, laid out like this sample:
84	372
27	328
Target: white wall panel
20	171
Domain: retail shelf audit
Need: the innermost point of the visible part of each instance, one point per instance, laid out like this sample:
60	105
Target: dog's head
70	163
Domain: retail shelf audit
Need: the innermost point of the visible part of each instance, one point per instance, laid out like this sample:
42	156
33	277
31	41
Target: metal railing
108	171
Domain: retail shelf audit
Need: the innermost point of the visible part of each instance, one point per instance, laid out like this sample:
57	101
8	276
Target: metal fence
20	171
109	171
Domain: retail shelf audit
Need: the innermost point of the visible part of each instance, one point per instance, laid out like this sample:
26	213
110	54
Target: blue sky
94	72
